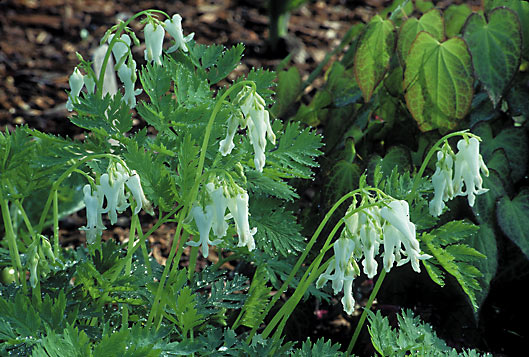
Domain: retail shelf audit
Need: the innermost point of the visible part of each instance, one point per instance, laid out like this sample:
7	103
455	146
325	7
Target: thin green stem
364	313
11	242
55	223
26	220
301	259
128	266
431	152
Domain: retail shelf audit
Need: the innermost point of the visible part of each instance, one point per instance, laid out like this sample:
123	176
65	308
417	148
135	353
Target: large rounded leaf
455	17
438	82
513	216
374	51
430	22
496	49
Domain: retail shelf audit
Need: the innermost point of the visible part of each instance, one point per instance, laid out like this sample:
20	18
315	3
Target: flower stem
364	313
55	223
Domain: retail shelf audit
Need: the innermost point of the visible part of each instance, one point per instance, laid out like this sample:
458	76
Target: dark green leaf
513	216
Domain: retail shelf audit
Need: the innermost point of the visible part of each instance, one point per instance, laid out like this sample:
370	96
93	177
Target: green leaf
297	151
455	17
258	297
485	206
522	10
343	177
277	230
513	216
438	82
430	22
458	259
373	54
485	242
512	140
75	342
496	48
289	85
226	64
319	348
186	312
423	5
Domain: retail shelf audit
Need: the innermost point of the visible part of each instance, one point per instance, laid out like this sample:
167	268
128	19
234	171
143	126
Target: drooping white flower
133	183
89	83
226	145
127	75
238	206
76	82
468	165
93	200
114	190
364	229
399	230
442	182
341	272
121	48
204	221
153	43
174	27
257	119
220	203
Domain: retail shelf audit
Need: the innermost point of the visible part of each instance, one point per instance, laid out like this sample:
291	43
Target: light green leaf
423	5
438	82
455	17
372	57
496	48
430	22
513	216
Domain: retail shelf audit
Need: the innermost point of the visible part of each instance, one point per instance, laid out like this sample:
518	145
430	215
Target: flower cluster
126	65
213	216
112	188
256	118
365	231
453	171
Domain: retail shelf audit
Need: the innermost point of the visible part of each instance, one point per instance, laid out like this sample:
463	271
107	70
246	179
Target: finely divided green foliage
446	246
412	337
496	47
438	82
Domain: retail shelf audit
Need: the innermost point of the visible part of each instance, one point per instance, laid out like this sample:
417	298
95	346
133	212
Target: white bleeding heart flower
442	182
468	165
204	221
113	187
133	183
121	48
153	43
174	27
238	206
341	272
76	82
399	230
93	200
220	203
127	75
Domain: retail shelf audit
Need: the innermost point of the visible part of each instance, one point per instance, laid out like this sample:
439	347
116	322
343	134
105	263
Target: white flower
89	83
114	191
204	221
121	48
399	230
238	207
220	203
257	119
467	170
127	75
341	272
94	223
364	229
174	27
76	82
153	43
134	185
442	182
226	145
